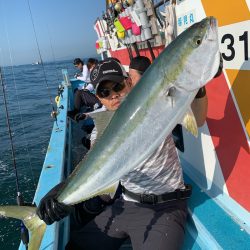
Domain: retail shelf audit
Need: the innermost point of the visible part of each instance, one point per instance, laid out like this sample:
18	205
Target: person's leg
78	100
102	233
80	105
160	226
77	105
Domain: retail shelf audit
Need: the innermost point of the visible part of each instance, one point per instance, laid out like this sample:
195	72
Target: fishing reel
54	114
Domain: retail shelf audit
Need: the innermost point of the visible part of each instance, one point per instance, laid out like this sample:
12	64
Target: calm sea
28	101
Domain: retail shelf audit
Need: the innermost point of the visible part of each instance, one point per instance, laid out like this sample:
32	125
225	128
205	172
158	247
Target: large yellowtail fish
149	113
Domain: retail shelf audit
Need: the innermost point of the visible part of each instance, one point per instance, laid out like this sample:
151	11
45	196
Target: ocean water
29	105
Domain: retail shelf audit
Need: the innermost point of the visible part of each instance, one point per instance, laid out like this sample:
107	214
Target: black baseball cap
77	61
107	70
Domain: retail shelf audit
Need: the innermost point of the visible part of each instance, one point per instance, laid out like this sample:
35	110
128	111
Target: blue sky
63	27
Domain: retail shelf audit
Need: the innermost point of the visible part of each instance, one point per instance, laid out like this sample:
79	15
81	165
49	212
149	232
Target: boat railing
56	168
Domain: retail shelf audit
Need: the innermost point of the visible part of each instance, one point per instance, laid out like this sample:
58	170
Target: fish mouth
213	22
212	30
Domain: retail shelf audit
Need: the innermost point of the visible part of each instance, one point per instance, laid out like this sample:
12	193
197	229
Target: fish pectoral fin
189	123
30	219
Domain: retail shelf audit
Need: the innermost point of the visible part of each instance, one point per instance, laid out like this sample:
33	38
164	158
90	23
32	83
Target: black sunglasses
117	87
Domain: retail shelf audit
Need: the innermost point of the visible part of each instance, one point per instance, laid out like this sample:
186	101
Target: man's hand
50	210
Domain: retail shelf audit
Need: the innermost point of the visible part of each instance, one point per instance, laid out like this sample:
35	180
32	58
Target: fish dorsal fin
30	219
101	120
189	123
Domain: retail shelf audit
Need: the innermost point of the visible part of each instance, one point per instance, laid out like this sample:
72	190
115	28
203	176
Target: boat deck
209	225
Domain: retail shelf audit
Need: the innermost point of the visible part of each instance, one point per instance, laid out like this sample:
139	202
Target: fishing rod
53	53
54	112
19	198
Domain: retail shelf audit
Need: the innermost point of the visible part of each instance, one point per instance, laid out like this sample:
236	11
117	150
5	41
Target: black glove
50	210
220	67
94	205
87	210
80	116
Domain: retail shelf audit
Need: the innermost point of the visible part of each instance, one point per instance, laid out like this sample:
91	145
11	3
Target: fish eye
171	91
197	41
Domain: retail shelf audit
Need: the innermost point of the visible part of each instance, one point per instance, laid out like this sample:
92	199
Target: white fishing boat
36	63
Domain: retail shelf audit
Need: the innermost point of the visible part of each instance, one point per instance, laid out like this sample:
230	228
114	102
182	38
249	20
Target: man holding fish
153	207
137	149
153	202
139	202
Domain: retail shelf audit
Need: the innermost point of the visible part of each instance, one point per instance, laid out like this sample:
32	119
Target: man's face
112	94
79	66
135	76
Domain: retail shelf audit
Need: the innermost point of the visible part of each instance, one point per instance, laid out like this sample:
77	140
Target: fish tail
30	219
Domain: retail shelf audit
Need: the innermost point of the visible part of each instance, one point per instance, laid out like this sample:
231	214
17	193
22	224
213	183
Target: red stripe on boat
229	140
